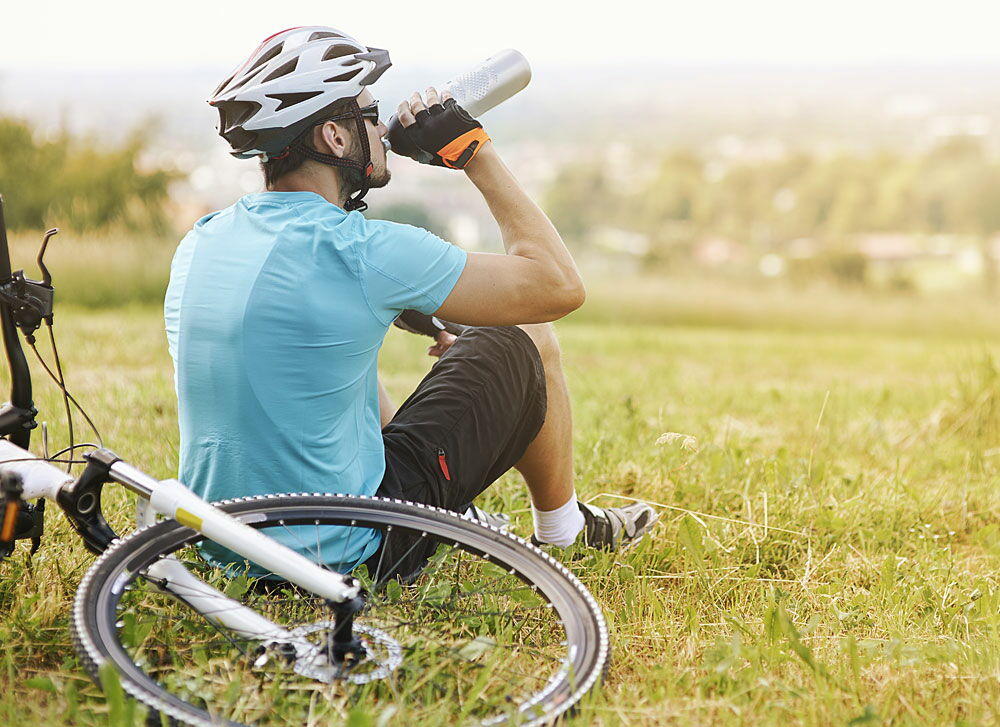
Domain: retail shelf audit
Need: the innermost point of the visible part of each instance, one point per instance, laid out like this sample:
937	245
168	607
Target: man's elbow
576	296
549	298
571	296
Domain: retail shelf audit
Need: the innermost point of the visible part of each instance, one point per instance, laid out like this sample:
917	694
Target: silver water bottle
490	83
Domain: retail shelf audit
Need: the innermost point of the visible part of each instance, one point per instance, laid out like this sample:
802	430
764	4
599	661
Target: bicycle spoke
317	556
383	547
399	562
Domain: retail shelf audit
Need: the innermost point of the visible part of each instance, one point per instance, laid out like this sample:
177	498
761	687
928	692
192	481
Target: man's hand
439	132
444	342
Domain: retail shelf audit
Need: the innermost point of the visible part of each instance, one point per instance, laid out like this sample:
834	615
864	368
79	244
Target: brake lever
30	301
46	276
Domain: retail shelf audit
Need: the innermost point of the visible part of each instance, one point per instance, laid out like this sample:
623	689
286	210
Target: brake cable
30	304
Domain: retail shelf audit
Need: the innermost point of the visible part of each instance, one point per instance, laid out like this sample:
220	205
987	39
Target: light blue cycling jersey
275	313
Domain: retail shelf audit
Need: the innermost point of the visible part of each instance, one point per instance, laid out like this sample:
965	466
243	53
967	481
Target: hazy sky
125	34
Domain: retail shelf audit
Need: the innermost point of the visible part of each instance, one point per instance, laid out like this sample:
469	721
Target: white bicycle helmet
288	84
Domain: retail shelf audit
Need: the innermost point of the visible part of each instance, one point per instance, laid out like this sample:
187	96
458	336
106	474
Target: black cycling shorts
469	421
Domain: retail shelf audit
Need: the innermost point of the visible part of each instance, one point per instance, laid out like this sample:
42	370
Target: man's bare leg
547	464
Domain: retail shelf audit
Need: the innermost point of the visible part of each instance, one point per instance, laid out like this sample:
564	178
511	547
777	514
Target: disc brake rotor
383	655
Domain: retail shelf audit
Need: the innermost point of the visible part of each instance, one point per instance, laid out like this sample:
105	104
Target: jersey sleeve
405	267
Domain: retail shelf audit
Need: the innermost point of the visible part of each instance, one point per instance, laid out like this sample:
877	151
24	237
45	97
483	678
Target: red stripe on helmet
261	45
295	27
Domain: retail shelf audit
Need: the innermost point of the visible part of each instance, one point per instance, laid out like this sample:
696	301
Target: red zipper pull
444	465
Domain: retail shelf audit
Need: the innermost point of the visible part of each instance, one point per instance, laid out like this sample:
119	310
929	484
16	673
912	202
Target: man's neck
326	186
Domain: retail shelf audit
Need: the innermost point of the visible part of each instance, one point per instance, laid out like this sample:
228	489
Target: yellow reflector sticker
187	519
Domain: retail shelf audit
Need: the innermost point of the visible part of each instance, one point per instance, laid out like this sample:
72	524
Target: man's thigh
469	420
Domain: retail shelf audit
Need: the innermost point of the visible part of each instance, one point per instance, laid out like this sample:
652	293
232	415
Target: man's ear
331	138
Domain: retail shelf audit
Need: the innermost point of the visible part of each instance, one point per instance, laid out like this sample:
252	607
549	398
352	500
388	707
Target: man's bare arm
386	408
537	280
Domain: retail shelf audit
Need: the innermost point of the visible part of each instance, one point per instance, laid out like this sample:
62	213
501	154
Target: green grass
829	551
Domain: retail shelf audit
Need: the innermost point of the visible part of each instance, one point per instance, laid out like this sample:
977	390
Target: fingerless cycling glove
444	135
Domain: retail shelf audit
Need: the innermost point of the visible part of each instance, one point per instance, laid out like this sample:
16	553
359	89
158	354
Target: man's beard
353	178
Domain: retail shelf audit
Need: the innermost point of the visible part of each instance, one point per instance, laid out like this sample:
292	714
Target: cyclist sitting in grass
278	305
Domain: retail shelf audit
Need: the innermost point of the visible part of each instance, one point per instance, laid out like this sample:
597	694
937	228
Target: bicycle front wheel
493	630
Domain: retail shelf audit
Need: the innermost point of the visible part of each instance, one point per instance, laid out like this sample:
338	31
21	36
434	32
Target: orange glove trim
451	153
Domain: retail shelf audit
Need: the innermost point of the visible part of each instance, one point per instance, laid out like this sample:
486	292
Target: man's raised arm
537	280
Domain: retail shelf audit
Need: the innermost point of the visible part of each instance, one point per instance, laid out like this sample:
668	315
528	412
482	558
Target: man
278	305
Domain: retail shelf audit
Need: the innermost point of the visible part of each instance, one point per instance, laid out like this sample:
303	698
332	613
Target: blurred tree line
764	205
76	182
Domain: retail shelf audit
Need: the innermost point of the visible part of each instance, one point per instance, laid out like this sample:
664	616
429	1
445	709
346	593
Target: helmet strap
365	164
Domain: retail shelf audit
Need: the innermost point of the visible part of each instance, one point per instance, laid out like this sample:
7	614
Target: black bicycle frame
17	417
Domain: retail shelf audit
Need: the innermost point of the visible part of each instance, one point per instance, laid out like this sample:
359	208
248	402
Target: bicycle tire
116	611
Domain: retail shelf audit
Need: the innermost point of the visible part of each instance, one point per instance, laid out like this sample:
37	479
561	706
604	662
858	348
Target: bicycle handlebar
20	374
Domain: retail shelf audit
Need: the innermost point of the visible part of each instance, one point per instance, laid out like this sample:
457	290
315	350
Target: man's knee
543	335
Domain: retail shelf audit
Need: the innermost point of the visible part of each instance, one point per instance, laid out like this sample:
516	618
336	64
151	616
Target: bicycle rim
493	631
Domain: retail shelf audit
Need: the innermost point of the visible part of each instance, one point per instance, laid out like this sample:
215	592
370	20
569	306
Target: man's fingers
416	103
444	341
407	110
404	114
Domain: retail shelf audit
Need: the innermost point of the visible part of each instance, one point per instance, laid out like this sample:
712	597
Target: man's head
301	92
337	136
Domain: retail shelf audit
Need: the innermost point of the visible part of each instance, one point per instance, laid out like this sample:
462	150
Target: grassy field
829	546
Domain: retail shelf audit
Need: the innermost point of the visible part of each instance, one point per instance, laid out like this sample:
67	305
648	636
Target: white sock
560	526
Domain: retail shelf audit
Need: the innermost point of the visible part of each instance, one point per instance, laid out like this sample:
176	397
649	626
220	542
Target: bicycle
492	630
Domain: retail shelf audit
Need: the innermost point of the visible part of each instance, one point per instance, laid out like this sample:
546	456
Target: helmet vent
282	70
267	56
290	99
223	85
241	111
336	51
324	34
343	76
247	78
233	114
